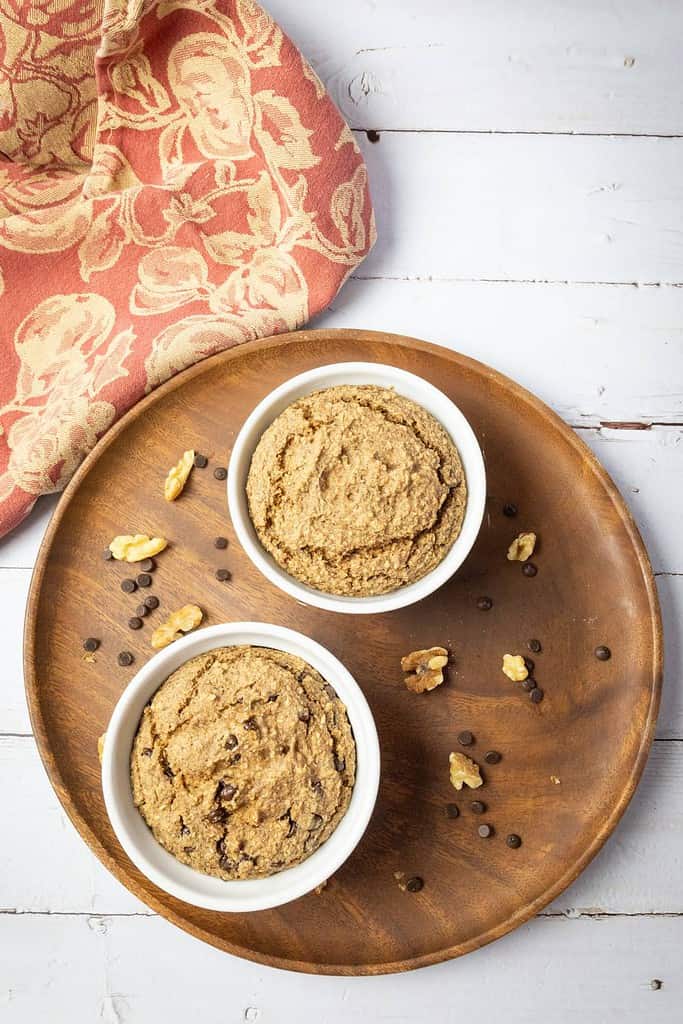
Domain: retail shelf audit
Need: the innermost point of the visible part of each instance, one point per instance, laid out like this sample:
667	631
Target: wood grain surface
592	731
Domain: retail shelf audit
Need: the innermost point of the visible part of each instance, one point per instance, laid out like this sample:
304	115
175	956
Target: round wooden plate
569	765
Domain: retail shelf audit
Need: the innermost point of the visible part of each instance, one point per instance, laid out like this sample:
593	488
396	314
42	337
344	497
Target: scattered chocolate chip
128	586
235	758
251	724
148	565
485	831
316	822
372	135
151	602
465	739
339	764
146	751
231	742
536	694
510	510
272	697
135	622
478	806
452	811
125	659
168	772
529	569
189	849
220	543
493	757
217	816
534	646
305	715
144	580
91	644
484	604
201	461
107	555
656	984
529	684
142	610
225	791
226	864
222	575
530	664
415	884
184	830
284	749
220	473
514	841
317	786
603	653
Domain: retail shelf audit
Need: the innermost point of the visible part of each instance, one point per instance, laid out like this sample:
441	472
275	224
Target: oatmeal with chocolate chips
244	762
356	490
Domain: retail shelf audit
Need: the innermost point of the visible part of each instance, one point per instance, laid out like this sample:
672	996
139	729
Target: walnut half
522	547
134	548
424	669
177	476
464	771
185	619
515	668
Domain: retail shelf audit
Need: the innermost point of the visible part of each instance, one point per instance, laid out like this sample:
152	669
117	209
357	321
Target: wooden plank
488	65
141	969
526	207
639	871
523	329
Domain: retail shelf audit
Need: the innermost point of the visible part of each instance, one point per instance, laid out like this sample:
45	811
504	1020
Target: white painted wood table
529	194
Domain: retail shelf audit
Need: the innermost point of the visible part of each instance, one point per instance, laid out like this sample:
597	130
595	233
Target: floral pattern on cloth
174	180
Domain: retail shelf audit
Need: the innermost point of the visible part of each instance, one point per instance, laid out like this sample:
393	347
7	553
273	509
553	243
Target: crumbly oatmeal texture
244	762
356	490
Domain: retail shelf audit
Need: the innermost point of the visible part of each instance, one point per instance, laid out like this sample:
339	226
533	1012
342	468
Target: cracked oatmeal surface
356	490
244	762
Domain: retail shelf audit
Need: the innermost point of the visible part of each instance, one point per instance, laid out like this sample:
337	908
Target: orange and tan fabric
174	180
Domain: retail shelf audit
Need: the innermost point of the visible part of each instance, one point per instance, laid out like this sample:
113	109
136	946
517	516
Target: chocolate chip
201	461
128	586
91	644
330	691
529	569
217	816
284	749
603	653
465	739
484	604
144	580
536	695
235	758
148	565
168	772
529	684
184	830
656	984
530	664
107	555
316	822
534	646
231	742
125	659
226	864
317	786
485	831
510	510
220	473
493	757
189	849
220	543
142	610
251	724
272	697
222	575
452	811
151	602
146	751
305	715
339	764
372	135
478	806
225	791
514	841
415	884
134	622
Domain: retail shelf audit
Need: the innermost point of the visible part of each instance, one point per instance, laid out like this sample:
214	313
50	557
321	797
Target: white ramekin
404	383
137	840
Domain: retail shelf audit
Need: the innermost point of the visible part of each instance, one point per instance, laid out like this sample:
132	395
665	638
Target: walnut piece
515	668
100	745
464	771
424	669
522	547
185	619
177	477
128	548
